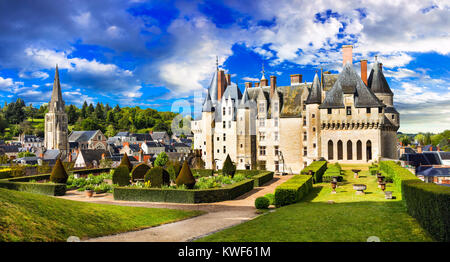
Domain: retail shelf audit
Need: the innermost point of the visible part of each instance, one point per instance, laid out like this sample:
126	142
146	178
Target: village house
87	140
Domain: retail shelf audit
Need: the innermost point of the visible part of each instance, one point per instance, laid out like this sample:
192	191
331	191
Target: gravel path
219	216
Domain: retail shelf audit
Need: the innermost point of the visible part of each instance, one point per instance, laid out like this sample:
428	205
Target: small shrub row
427	202
333	170
22	184
202	172
318	168
293	190
262	178
5	173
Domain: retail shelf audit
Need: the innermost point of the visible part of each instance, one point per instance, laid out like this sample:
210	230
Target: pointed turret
207	105
315	94
56	102
377	82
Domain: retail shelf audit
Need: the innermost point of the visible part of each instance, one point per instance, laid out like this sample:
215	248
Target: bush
318	167
202	172
59	174
157	176
126	162
332	170
262	203
185	177
139	171
228	167
326	179
5	173
271	198
174	168
121	176
293	190
161	159
426	202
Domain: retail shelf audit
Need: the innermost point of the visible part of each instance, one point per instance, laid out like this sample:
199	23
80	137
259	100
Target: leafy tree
25	154
420	138
110	131
161	159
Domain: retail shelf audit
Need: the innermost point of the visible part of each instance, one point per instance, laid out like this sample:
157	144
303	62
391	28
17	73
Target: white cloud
250	79
6	83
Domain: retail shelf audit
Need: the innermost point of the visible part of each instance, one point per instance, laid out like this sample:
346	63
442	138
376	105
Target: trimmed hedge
157	176
250	173
88	171
126	162
318	167
21	184
139	171
202	172
427	202
121	176
262	178
183	195
185	177
228	168
293	190
326	179
59	174
262	203
5	173
332	170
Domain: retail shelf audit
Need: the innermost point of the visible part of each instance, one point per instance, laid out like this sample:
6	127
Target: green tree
420	138
161	159
72	114
84	110
405	140
110	131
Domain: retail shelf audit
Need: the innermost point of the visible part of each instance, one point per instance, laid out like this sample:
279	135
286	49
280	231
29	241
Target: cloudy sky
152	53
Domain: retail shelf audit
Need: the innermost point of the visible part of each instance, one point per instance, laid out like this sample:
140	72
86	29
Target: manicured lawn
32	217
351	218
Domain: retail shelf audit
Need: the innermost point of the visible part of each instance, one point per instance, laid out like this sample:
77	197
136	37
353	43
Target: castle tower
56	132
313	121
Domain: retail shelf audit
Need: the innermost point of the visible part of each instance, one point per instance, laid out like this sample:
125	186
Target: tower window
305	151
224	137
329	110
393	116
349	111
313	116
224	149
224	124
368	110
380	110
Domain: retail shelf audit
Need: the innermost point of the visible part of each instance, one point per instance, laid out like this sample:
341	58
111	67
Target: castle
56	121
339	117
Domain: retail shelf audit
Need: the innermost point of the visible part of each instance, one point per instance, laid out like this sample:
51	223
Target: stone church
56	121
339	117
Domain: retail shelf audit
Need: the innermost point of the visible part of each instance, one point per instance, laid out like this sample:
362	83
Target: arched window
340	150
359	150
369	150
330	150
349	150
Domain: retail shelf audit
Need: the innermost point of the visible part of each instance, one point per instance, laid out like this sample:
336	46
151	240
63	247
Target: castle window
314	129
329	110
242	145
380	110
262	150
262	136
229	124
304	136
276	136
204	143
261	122
313	116
229	110
275	106
305	151
218	150
223	111
304	120
261	107
314	145
276	121
218	138
224	137
241	160
349	111
224	124
393	116
224	149
368	110
276	150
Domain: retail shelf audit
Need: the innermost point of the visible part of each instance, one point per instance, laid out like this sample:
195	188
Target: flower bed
96	183
168	194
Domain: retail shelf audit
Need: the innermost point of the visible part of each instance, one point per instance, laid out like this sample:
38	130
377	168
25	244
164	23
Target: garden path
219	215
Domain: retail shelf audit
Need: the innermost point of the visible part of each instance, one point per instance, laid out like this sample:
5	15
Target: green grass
32	217
351	218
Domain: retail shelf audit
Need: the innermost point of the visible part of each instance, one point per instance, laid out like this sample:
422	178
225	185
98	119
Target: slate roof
159	135
433	171
154	144
127	134
444	155
134	147
56	98
51	154
207	104
328	81
81	136
349	82
390	110
377	82
142	137
90	155
315	93
31	139
9	148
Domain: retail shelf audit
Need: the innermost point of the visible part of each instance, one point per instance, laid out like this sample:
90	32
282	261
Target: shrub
185	177
326	179
332	170
228	167
157	176
318	167
162	159
271	198
5	173
293	190
262	203
202	172
174	168
121	176
139	171
126	162
426	202
59	174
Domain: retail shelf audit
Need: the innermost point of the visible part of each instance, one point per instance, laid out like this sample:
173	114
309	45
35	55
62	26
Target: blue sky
152	53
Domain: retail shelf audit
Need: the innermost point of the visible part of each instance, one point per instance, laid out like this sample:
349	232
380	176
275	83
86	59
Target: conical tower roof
377	82
315	94
56	102
207	105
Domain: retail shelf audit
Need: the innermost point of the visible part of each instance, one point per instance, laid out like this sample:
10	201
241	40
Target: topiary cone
59	174
185	177
126	162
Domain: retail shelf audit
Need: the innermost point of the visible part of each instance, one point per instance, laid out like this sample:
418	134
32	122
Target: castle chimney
273	85
103	156
248	84
437	148
141	155
126	144
364	71
70	157
264	82
228	78
296	79
257	84
221	84
347	56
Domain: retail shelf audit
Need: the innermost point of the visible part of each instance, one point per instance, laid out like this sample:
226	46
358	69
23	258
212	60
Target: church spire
56	102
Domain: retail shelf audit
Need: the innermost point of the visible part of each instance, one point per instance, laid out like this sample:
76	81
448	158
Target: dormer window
329	111
380	110
261	107
368	110
349	110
